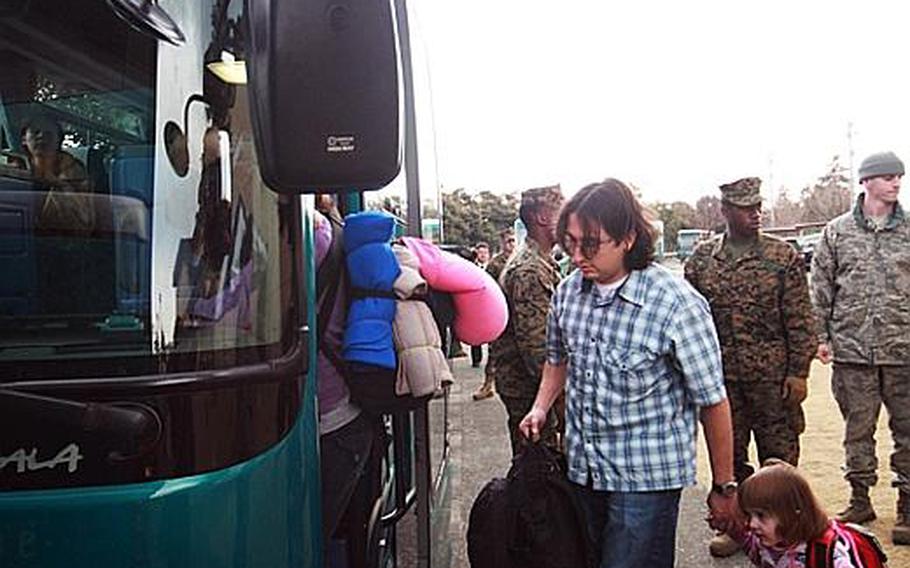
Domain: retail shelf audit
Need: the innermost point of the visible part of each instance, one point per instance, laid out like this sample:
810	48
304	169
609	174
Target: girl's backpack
866	551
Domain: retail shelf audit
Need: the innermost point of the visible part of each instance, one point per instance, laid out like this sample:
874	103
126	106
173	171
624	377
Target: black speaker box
324	80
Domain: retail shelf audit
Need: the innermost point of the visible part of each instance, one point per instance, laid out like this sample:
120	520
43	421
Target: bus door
153	396
419	473
347	137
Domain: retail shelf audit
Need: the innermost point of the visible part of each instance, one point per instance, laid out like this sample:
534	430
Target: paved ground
481	452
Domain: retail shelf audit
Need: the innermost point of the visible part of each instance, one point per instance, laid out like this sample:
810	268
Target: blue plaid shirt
640	364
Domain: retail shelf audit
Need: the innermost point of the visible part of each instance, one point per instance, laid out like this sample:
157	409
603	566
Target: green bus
157	325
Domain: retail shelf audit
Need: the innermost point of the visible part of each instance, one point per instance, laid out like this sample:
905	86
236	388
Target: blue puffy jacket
372	268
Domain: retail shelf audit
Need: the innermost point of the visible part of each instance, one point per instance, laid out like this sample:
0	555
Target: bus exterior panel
154	398
247	515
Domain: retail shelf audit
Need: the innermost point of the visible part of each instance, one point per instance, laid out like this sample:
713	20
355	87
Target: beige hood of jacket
422	366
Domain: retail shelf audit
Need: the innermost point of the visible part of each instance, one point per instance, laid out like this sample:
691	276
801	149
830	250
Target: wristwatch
727	489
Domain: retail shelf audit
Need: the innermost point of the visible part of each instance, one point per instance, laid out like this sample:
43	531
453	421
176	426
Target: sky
674	97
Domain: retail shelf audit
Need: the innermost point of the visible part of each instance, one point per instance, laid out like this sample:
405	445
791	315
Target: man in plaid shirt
636	351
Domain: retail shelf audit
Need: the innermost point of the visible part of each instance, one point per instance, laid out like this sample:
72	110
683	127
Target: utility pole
771	196
850	156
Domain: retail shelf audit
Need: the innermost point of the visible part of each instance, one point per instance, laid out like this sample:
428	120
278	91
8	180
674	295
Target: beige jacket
422	366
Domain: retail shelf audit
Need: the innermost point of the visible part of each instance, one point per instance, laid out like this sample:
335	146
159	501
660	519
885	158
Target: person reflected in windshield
212	238
67	204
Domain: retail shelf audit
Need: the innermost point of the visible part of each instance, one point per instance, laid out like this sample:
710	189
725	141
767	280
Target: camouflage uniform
529	281
494	269
760	303
860	288
496	264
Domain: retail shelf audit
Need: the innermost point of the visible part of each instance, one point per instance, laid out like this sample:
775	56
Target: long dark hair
610	205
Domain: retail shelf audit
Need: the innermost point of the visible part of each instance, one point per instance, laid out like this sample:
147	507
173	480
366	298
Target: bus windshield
134	225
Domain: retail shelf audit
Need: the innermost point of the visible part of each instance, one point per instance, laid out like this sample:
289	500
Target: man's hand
533	423
824	352
794	390
723	514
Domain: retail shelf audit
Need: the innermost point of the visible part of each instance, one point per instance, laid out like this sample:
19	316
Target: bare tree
829	196
707	213
786	212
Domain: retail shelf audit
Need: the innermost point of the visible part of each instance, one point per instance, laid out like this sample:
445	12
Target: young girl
783	526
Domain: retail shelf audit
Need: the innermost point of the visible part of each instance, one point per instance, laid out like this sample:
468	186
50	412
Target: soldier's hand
533	423
795	390
824	353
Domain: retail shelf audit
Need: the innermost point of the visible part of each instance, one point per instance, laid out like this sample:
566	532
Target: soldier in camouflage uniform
481	259
756	286
529	281
861	290
494	269
506	250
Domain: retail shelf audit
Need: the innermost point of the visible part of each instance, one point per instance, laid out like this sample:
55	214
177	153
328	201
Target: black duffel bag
530	519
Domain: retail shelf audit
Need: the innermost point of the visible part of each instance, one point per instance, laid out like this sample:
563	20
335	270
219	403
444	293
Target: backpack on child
865	549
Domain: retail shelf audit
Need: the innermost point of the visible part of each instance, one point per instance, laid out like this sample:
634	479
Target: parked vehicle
807	244
688	239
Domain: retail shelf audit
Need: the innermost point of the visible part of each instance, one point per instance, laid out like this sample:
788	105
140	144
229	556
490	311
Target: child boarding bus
157	392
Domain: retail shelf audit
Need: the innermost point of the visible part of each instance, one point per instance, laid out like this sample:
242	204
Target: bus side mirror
324	87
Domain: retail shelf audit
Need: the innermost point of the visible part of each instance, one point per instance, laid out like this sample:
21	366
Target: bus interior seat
97	171
132	175
132	172
93	161
17	254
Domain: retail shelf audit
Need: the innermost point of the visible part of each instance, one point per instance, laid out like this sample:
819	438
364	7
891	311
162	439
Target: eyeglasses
589	246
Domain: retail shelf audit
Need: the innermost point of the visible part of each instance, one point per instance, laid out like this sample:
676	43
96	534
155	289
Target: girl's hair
610	205
779	489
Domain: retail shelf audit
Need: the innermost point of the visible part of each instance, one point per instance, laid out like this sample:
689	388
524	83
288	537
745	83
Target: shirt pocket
632	373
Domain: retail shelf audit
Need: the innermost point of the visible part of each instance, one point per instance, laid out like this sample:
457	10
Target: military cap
742	192
548	195
881	164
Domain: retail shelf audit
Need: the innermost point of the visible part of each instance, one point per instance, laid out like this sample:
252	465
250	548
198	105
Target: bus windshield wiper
129	429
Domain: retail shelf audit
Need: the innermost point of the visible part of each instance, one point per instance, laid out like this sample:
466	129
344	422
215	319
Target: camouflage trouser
517	408
489	371
859	391
757	408
797	420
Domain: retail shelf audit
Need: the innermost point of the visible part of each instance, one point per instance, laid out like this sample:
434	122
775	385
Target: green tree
677	215
469	218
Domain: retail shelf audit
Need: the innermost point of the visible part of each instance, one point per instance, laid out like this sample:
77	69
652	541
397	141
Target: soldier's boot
859	510
722	546
901	532
485	391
